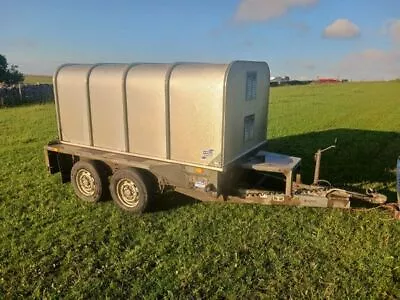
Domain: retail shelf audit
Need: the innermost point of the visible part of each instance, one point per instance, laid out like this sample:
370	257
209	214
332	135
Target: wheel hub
85	183
128	192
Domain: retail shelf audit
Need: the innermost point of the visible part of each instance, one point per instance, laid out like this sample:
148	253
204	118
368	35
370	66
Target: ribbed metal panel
196	98
146	109
107	106
71	97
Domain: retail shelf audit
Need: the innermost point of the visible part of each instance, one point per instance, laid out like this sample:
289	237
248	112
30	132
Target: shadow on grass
171	201
361	156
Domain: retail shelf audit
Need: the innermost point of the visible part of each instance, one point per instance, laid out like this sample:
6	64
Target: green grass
53	245
34	79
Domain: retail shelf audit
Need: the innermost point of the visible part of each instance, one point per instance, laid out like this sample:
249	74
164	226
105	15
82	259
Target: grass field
53	245
34	79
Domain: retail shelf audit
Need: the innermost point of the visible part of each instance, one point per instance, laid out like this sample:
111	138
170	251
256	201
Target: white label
201	184
207	153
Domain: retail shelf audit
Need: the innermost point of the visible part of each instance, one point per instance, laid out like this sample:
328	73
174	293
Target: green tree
9	74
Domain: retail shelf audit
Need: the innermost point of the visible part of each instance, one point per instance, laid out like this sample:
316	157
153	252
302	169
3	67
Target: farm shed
327	80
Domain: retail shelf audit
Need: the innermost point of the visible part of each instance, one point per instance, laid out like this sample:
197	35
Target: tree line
9	74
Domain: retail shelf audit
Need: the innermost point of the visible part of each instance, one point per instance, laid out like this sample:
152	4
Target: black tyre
87	181
130	190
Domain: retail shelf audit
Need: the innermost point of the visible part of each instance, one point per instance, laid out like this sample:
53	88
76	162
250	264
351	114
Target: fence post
20	93
1	97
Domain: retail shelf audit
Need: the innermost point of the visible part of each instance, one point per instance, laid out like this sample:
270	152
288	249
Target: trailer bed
60	157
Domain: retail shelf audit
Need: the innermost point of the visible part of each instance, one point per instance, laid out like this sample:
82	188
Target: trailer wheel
87	181
130	190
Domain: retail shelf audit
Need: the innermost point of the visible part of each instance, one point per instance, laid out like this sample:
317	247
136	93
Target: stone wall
25	94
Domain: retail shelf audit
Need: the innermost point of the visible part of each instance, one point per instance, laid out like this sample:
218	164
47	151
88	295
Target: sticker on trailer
207	153
200	184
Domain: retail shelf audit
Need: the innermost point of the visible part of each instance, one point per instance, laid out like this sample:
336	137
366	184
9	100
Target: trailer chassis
61	157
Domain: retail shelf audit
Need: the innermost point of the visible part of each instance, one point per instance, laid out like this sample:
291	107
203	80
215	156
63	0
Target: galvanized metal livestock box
206	115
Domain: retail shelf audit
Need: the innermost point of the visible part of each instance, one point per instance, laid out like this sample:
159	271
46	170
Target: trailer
133	130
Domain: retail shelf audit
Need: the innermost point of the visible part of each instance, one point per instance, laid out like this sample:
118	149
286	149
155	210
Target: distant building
279	79
327	80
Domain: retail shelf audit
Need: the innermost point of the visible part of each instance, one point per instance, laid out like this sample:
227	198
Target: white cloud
342	29
370	64
393	30
263	10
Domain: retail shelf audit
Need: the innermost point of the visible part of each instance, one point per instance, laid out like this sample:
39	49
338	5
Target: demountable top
198	114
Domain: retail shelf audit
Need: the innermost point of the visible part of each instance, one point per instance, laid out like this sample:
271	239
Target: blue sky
358	39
